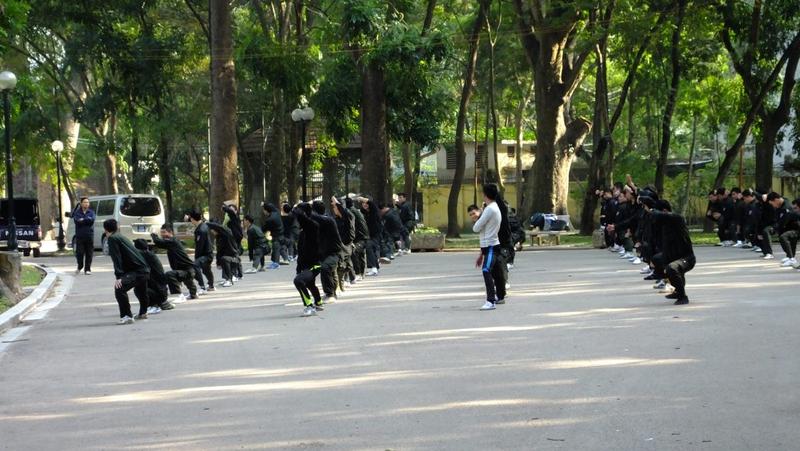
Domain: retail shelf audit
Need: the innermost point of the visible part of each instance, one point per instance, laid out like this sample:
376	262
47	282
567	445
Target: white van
138	215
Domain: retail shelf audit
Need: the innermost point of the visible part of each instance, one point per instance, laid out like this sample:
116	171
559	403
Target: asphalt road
584	356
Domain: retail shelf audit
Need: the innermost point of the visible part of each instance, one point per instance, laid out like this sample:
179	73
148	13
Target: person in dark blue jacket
84	236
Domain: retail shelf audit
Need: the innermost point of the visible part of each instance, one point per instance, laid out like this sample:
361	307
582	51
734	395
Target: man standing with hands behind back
84	236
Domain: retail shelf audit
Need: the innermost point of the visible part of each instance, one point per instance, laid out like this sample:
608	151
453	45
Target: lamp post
303	116
7	82
57	147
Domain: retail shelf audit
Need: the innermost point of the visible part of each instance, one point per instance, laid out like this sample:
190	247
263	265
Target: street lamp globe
307	113
7	81
297	115
57	146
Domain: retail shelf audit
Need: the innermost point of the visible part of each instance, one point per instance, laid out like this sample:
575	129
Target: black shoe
319	307
653	277
682	301
167	306
673	295
500	301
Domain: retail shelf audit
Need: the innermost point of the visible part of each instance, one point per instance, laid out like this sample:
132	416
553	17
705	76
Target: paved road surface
584	356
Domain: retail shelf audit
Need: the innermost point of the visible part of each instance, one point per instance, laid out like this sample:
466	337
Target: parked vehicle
138	215
29	230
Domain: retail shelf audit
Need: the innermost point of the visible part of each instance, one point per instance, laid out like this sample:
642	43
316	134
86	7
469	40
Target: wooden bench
539	235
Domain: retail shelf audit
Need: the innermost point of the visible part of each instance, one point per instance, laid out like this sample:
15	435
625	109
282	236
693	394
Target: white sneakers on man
125	320
488	306
768	257
787	262
372	272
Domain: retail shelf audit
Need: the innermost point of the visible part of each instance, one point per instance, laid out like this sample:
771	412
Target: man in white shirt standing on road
487	224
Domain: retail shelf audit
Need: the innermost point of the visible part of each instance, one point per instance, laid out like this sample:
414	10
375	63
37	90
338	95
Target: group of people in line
750	219
642	228
343	242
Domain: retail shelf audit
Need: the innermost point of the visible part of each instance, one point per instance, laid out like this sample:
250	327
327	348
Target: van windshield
140	206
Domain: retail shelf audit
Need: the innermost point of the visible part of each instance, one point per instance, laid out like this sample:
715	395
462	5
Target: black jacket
362	230
226	246
346	224
307	242
675	240
176	254
291	228
274	225
157	275
373	219
392	223
330	243
125	257
234	224
202	242
406	215
255	240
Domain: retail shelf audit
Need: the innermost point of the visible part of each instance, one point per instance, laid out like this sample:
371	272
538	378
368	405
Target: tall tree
550	32
453	227
224	164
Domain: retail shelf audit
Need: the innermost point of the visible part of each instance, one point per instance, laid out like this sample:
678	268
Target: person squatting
342	242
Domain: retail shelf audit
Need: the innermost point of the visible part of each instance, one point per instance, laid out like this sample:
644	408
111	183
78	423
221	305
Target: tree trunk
293	152
690	172
277	171
224	166
453	227
666	122
518	119
374	147
493	109
765	153
252	183
599	143
166	174
408	170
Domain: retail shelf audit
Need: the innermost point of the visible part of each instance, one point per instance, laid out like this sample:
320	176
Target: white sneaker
510	266
235	279
201	291
625	255
154	310
738	244
646	270
227	284
785	259
125	320
789	262
756	249
508	286
251	271
372	272
768	257
309	311
180	299
359	278
329	298
660	285
488	306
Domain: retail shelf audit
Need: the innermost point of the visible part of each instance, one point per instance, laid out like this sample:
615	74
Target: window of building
451	158
510	151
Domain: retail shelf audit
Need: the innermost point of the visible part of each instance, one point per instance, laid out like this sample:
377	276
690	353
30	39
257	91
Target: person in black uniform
394	228
517	235
227	252
790	234
256	244
677	250
203	253
346	224
234	224
131	272
408	218
181	266
330	248
359	258
373	248
157	293
737	226
274	225
291	232
308	260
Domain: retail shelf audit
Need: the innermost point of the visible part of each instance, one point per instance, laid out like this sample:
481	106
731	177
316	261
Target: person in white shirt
487	224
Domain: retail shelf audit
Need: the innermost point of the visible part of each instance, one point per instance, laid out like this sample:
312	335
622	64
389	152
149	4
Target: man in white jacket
487	224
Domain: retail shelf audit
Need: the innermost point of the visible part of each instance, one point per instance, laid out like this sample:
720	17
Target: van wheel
37	253
26	252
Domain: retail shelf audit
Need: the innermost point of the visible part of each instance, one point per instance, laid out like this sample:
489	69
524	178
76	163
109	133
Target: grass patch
30	276
4	304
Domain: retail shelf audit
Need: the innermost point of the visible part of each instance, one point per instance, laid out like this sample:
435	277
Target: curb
12	316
